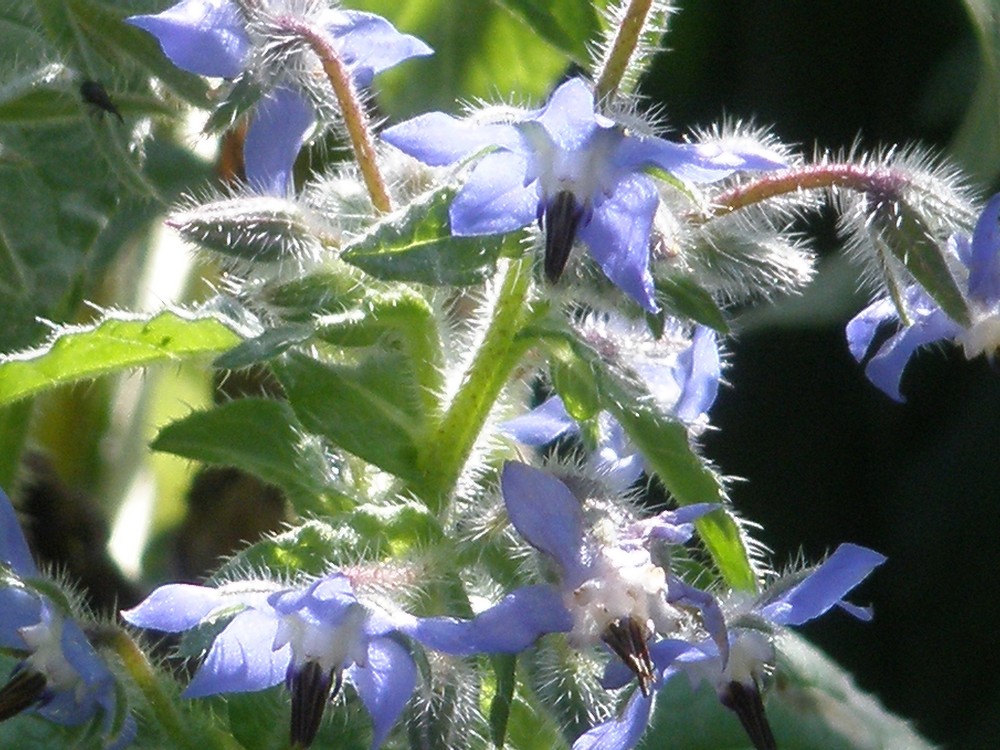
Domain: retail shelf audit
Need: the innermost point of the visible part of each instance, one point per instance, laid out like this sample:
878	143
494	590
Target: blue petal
206	37
662	653
175	607
616	460
825	587
569	117
508	627
282	120
19	608
862	327
621	732
438	139
712	618
495	198
885	369
698	371
695	162
618	237
241	658
541	425
369	44
385	685
14	550
984	262
675	526
547	514
326	601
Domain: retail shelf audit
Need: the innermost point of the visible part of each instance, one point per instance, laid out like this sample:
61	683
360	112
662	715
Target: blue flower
979	255
683	384
609	591
739	649
224	38
312	638
575	171
60	677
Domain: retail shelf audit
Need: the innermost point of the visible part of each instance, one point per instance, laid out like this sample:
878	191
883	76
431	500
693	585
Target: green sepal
416	244
907	237
262	437
240	99
116	342
504	674
265	347
574	382
683	297
371	409
324	292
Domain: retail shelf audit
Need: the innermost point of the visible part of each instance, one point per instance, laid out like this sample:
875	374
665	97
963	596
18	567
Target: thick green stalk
451	442
164	711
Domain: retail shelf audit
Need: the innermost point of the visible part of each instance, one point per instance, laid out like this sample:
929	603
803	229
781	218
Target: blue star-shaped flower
980	256
579	173
684	385
61	678
740	644
214	38
311	638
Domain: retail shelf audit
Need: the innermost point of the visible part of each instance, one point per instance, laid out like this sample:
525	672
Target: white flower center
586	171
983	336
624	584
331	646
44	640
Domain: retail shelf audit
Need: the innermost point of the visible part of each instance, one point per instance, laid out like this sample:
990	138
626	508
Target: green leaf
480	49
116	342
372	410
976	143
683	296
260	436
504	666
909	239
813	704
308	549
416	244
568	26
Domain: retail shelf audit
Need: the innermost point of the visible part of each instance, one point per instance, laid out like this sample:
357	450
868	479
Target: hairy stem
616	63
877	180
352	110
452	442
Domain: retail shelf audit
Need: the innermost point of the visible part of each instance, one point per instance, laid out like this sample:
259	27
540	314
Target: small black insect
94	93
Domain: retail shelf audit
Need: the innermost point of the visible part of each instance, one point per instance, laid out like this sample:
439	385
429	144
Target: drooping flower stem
165	712
879	181
616	63
352	110
499	352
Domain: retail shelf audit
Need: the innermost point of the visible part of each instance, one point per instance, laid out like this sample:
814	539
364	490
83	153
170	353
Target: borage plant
479	350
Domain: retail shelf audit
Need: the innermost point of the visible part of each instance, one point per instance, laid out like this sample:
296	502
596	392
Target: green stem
163	708
624	44
451	444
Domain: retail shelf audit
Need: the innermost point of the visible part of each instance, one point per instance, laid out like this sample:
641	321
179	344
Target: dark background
828	458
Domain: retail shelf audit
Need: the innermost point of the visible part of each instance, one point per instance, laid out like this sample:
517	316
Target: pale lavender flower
312	638
60	676
979	255
580	174
225	38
